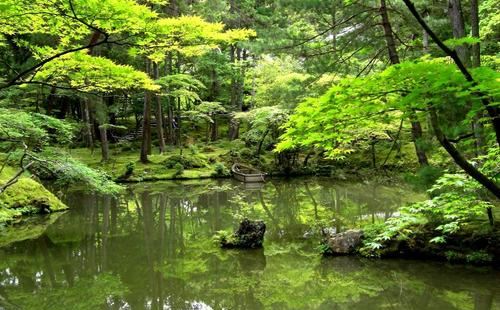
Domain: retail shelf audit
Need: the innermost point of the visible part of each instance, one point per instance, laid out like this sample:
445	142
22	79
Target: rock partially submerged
344	243
250	235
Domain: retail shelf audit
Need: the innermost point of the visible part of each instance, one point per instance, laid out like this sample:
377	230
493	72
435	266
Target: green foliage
129	169
179	169
220	170
357	108
455	205
425	177
68	172
34	129
188	161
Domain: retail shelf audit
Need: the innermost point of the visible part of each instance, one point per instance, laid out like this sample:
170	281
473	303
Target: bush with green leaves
34	129
179	170
65	171
456	204
188	161
220	170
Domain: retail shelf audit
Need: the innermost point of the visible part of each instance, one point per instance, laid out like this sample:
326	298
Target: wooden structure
247	174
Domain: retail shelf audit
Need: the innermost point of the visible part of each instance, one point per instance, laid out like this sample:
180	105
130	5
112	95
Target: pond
152	248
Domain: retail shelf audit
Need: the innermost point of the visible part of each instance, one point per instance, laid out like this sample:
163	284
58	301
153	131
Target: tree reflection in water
151	248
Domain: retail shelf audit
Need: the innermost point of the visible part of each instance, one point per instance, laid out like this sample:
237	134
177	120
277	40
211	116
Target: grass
25	197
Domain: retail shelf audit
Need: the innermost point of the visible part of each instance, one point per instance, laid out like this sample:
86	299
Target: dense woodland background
93	92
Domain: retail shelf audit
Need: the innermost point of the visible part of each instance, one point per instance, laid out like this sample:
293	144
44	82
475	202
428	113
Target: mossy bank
25	197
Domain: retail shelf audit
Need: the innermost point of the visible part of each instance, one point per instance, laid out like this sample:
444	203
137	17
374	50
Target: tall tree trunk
214	129
416	131
146	124
477	125
474	21
89	138
389	37
159	114
417	134
103	128
458	27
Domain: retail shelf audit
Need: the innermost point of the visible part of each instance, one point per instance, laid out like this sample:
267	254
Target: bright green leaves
188	35
359	109
87	73
33	129
183	86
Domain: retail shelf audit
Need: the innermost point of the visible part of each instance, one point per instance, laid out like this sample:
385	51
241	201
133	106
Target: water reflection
152	249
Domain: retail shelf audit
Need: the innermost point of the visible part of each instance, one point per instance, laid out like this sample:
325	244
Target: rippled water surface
152	249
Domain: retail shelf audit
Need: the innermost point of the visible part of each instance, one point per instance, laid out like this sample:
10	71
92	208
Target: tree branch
493	112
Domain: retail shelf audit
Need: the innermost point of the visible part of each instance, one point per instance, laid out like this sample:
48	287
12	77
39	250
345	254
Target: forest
375	125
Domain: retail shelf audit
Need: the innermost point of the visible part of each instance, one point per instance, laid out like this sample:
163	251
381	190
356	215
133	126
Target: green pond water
151	249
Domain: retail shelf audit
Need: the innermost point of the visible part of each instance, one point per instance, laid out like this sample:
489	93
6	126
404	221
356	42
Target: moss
156	169
26	197
31	229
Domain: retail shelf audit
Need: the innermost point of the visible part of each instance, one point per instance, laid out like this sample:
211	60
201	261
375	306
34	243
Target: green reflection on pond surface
152	249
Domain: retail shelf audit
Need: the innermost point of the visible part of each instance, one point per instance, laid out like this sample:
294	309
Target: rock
344	243
250	235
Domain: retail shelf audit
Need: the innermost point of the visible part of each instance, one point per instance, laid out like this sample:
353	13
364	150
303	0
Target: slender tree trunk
214	129
234	80
146	124
88	125
417	135
477	125
103	132
474	20
159	114
389	37
261	142
458	27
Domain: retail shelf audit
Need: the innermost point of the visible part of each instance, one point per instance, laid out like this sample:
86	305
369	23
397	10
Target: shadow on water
152	249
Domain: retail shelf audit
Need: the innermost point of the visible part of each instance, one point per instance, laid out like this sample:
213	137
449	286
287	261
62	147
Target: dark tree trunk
159	114
389	37
261	142
89	139
474	20
477	125
214	129
458	27
103	133
460	159
417	135
146	124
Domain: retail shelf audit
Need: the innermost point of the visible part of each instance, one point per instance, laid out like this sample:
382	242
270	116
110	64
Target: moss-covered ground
203	158
25	197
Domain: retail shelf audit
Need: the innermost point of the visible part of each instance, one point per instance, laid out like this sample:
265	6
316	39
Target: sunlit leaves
94	74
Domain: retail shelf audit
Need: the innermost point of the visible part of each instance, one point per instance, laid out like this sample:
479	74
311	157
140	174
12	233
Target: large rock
344	243
250	235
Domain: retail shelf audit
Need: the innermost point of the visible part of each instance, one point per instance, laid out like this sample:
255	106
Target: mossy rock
27	197
188	161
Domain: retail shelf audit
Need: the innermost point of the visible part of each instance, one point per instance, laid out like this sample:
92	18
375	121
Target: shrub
425	177
220	170
129	169
179	169
187	161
